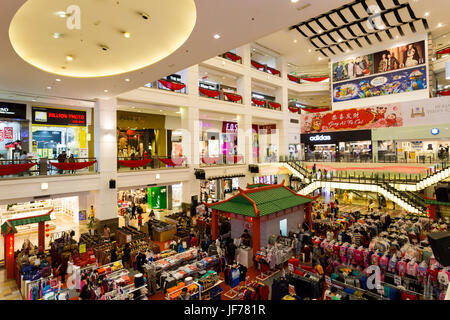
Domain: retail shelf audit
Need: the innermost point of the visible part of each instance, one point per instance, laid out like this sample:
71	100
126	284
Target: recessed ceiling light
58	80
320	58
217	36
49	88
427	14
309	50
294	1
61	14
339	40
56	35
127	80
34	100
295	41
439	25
69	58
160	110
127	35
106	91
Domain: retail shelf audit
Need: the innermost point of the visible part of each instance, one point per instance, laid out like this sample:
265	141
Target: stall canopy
11	225
261	201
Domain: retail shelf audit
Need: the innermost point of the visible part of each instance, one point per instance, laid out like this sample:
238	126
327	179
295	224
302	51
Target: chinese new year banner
383	116
383	85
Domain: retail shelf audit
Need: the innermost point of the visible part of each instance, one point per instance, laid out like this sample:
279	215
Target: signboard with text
13	110
59	117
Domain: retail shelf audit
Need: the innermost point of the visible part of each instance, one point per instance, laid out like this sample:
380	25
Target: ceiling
237	22
304	57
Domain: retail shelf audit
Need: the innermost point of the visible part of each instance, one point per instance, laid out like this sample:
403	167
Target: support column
245	137
245	53
105	145
256	235
191	135
41	235
214	225
9	255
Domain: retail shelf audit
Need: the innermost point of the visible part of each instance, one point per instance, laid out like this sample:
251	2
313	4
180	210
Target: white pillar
192	82
244	88
245	137
191	135
245	53
105	126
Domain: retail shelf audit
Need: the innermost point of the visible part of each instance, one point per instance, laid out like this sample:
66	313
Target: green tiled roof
267	202
253	186
21	222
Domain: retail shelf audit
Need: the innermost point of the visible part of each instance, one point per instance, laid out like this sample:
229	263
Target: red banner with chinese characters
383	116
9	133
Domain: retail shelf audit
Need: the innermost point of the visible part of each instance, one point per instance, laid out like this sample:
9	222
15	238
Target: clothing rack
401	289
345	285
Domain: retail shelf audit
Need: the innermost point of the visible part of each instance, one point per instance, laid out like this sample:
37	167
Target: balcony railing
265	68
220	95
262	103
152	163
220	160
232	57
168	85
366	157
46	167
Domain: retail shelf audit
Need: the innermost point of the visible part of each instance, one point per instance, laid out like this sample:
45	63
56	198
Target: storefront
267	143
14	130
65	216
428	143
272	179
140	135
56	130
338	146
219	139
217	189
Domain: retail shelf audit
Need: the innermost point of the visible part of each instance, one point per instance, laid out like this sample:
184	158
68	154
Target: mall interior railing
220	95
16	168
265	68
172	86
367	158
151	163
232	57
220	160
266	104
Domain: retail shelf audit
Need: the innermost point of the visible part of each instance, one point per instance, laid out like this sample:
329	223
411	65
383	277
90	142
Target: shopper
126	258
246	239
139	221
62	157
152	214
133	211
150	229
71	160
127	219
314	169
106	232
113	253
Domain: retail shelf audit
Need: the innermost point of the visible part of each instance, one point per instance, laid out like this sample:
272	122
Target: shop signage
435	131
268	129
59	117
9	133
320	138
1	135
13	110
229	127
336	137
382	116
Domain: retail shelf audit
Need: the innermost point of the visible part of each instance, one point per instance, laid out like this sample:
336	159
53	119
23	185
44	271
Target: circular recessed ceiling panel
97	38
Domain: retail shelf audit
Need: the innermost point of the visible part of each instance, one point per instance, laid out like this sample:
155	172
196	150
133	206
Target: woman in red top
140	221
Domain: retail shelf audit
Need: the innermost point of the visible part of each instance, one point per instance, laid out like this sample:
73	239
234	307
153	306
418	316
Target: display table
245	257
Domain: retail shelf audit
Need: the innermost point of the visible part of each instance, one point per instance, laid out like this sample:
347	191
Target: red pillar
308	214
432	211
9	255
256	234
41	235
215	225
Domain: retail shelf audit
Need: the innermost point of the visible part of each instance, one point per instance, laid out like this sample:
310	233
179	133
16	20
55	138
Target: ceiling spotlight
106	91
127	35
295	41
427	14
294	1
56	35
58	80
320	58
309	50
127	80
69	58
439	25
62	14
217	36
49	88
34	100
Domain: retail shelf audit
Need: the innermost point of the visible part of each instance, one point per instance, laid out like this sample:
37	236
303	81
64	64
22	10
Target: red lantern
130	132
250	219
229	215
46	225
47	235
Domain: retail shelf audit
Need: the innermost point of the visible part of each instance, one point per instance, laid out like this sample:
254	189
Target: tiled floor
8	288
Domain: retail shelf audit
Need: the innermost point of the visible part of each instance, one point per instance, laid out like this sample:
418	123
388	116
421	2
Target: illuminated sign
320	138
435	131
59	117
13	110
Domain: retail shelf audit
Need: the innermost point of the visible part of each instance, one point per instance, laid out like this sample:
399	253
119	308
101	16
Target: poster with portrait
390	83
393	59
381	116
353	68
398	58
